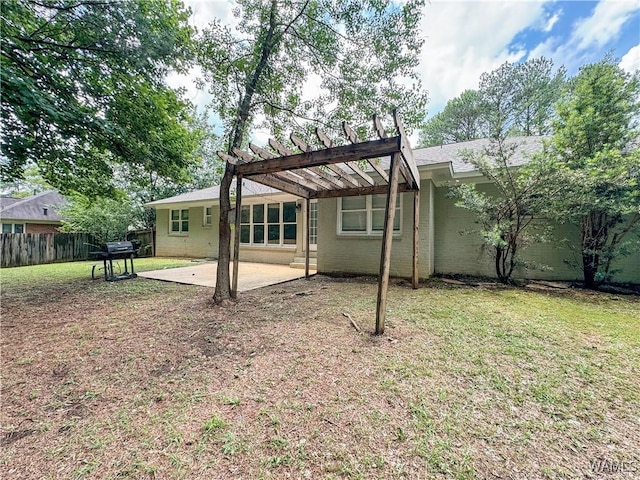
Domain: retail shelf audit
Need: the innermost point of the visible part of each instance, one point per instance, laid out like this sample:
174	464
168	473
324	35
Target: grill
116	251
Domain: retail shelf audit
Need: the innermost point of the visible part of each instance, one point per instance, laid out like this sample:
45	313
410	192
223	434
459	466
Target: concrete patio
250	276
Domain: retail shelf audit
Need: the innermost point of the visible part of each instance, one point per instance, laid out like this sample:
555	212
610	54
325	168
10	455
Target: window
13	228
208	212
364	215
271	224
179	221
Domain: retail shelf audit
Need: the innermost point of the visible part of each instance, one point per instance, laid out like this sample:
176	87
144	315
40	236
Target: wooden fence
20	249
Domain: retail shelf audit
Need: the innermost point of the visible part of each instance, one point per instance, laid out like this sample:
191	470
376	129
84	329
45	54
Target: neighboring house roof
448	156
32	209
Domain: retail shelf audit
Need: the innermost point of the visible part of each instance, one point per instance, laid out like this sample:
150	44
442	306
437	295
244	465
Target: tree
506	218
463	119
597	162
83	89
518	98
363	53
515	99
107	219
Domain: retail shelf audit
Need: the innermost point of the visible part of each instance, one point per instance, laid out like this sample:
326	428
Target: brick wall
41	228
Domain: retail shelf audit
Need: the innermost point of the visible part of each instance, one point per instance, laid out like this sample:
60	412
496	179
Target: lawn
145	379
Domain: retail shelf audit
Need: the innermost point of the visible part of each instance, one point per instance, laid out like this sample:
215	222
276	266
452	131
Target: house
345	233
35	214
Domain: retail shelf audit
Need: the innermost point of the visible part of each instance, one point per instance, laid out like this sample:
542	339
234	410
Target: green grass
61	273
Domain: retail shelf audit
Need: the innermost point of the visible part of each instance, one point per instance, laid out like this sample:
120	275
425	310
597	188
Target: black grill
116	251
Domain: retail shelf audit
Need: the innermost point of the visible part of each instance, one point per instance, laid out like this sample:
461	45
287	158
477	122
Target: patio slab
250	275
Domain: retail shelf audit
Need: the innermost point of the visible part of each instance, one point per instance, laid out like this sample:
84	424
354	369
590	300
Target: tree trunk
238	131
223	281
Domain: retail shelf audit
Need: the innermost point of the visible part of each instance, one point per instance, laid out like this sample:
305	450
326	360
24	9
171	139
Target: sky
463	39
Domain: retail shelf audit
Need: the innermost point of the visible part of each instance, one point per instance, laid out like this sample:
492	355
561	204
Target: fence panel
21	249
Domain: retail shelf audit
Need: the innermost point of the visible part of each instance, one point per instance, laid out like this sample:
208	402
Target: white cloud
551	21
465	39
589	36
605	23
631	60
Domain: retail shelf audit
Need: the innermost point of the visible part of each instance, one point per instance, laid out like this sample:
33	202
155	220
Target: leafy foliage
82	89
515	99
507	217
360	53
107	219
597	161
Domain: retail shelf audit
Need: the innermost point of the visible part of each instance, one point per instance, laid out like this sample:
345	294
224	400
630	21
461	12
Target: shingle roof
424	157
249	189
33	208
526	146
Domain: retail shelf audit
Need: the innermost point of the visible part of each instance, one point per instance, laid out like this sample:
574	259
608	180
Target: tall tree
361	52
463	119
597	158
518	97
82	89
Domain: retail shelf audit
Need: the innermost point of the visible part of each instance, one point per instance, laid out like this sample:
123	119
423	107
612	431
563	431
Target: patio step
298	262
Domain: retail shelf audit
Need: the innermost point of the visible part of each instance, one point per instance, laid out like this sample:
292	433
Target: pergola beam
354	192
329	156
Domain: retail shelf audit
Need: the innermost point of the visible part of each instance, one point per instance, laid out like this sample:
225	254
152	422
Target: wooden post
307	240
236	241
387	238
416	236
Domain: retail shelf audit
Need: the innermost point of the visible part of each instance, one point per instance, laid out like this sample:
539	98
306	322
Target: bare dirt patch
142	379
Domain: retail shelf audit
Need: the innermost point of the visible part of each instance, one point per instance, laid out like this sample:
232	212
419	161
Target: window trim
281	223
205	216
13	227
180	221
369	231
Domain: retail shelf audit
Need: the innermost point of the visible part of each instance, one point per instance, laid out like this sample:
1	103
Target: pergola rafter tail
323	173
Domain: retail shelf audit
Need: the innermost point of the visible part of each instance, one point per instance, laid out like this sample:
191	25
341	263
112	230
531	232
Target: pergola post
236	241
387	238
416	237
307	240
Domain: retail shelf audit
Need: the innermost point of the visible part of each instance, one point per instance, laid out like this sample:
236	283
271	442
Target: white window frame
180	221
266	224
207	219
369	231
13	227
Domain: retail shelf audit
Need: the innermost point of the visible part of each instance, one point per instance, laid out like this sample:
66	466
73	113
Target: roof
448	156
526	146
6	201
249	189
33	208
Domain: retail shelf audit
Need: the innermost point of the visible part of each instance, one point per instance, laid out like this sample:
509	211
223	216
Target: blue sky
463	39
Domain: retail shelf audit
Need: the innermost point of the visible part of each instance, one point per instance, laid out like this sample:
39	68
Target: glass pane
245	233
354	222
175	226
244	214
274	234
258	234
208	210
380	201
377	220
258	214
185	214
175	214
273	213
185	226
290	234
354	203
19	228
289	212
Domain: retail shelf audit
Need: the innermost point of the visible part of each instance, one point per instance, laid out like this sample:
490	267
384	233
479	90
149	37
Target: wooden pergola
336	171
